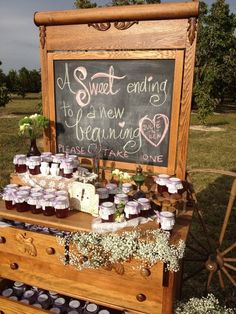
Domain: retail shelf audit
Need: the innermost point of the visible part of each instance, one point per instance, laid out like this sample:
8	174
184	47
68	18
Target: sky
19	39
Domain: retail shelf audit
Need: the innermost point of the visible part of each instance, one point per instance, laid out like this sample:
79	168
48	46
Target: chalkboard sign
120	109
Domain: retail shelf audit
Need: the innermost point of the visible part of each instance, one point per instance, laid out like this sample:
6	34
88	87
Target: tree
12	81
23	82
4	92
84	4
215	72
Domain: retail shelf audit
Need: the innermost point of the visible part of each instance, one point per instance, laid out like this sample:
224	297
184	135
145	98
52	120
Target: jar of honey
132	210
20	163
48	204
107	211
33	164
61	205
21	201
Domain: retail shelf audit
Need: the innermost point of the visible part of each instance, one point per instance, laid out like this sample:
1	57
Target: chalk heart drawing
122	124
154	131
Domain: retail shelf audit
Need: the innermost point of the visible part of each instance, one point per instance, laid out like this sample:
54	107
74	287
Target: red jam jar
132	210
175	185
112	190
34	201
33	164
120	200
21	201
107	212
67	173
103	195
20	163
162	181
61	205
9	196
145	207
48	204
75	162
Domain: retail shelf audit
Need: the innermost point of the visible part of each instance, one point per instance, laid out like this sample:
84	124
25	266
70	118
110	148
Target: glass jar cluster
166	183
118	206
47	164
37	200
50	300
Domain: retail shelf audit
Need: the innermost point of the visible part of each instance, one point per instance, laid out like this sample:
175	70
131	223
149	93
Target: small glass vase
33	150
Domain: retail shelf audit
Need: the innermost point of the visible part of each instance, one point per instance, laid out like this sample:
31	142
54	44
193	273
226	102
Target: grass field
207	149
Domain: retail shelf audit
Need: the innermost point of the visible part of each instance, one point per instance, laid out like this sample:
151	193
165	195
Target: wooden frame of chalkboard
149	34
120	105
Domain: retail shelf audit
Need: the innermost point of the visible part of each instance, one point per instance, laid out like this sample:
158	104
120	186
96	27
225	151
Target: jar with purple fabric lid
107	212
61	205
9	196
34	201
33	164
132	210
145	207
47	203
20	163
21	201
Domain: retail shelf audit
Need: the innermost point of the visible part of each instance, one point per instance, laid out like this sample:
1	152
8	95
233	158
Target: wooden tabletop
78	221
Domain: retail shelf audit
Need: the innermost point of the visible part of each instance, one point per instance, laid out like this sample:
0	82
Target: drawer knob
14	266
50	250
141	297
145	272
2	240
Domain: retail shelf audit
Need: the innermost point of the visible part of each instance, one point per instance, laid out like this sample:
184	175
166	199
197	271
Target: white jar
166	220
44	168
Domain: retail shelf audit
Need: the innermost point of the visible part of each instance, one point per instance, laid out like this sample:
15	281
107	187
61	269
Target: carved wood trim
118	25
192	27
42	36
27	245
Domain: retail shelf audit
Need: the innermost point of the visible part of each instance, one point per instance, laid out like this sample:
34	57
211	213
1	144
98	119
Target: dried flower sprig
94	250
204	305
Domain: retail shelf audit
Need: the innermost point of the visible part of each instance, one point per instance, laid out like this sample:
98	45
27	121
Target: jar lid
143	200
55	310
92	307
61	202
59	301
120	198
111	187
19	159
22	193
49	196
103	193
11	186
47	154
42	297
132	208
18	284
34	158
50	191
108	206
7	292
74	304
37	190
61	193
25	188
28	294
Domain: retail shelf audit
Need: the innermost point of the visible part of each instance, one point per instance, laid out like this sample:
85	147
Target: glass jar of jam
34	202
21	201
120	200
75	305
175	185
132	210
162	181
44	300
60	303
145	207
107	211
75	162
67	172
20	163
19	288
103	195
61	205
48	204
9	196
127	188
33	164
50	191
30	295
112	190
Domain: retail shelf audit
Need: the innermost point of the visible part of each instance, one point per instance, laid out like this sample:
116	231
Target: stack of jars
165	183
49	202
50	300
47	164
120	206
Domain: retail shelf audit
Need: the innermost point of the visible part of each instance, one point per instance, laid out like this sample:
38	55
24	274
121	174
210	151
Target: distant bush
4	96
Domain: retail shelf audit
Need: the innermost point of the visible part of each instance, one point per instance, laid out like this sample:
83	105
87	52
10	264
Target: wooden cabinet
37	259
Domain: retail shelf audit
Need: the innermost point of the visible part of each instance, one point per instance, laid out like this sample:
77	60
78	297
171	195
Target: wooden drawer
25	243
101	286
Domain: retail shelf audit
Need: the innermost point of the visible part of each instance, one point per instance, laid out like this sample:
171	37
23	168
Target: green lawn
207	149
